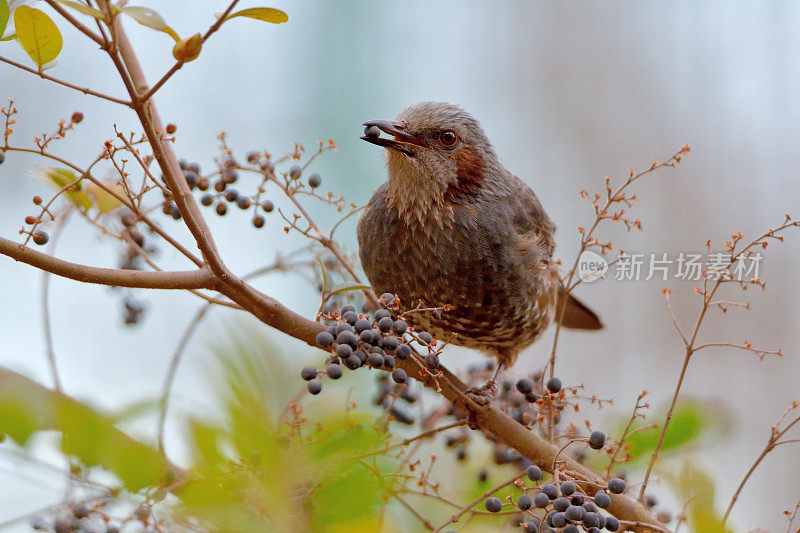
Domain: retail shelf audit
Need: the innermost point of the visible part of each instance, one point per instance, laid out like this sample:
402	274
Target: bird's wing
534	229
535	239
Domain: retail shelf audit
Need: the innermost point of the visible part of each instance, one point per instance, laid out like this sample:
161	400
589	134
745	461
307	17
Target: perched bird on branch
453	227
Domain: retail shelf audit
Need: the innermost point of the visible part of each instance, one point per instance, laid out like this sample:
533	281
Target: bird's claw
484	394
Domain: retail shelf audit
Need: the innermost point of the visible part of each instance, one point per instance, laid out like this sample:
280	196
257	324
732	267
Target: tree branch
84	90
191	279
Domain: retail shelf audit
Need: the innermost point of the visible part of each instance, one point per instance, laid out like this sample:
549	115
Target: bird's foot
484	394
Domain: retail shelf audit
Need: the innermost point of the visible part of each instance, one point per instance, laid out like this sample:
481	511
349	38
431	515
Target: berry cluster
373	340
565	505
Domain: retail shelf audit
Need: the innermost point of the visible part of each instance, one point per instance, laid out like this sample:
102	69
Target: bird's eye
448	138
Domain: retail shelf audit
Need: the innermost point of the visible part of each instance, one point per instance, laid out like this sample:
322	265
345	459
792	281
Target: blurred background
567	92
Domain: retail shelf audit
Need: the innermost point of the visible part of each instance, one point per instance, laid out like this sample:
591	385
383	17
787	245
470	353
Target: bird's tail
575	314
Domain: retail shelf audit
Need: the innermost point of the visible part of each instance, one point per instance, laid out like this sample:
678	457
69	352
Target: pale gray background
568	92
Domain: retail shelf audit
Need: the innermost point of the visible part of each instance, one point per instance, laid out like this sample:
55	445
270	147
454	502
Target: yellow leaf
61	178
86	10
103	200
267	14
37	34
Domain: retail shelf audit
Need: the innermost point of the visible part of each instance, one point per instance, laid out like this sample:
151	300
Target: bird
452	227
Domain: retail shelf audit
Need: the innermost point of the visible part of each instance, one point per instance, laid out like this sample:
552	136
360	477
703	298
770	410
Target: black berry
334	371
534	473
597	440
524	502
314	386
602	500
399	375
525	385
308	373
616	486
493	504
554	385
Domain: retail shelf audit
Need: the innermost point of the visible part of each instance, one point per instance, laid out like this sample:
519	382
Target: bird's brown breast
466	258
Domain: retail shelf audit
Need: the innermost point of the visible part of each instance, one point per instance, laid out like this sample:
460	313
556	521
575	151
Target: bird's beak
401	140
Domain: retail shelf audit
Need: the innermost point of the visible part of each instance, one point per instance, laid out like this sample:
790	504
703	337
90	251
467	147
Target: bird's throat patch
469	170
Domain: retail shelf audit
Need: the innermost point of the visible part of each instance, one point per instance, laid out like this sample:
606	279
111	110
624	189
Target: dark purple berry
602	500
534	473
559	520
524	502
616	486
344	350
352	362
314	181
295	172
432	361
385	324
612	524
350	317
375	360
382	313
575	513
334	371
561	504
207	199
590	519
493	504
567	488
391	343
308	373
541	500
399	375
314	386
425	337
347	337
597	440
403	351
551	491
554	385
525	385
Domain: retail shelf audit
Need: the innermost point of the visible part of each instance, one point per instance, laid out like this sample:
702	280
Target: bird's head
435	150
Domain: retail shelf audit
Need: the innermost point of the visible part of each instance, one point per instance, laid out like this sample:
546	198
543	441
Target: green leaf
150	18
37	34
690	420
4	14
348	286
267	14
83	8
27	407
